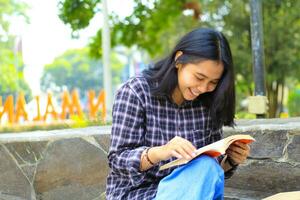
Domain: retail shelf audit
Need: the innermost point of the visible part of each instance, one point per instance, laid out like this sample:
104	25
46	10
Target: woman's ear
178	53
178	66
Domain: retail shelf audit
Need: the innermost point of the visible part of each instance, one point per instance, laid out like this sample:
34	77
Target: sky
47	37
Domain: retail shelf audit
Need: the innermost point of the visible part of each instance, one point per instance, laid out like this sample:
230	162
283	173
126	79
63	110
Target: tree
9	9
294	102
12	78
74	69
155	25
11	63
282	53
281	29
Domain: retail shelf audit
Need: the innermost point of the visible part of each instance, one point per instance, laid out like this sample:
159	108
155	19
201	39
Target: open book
214	150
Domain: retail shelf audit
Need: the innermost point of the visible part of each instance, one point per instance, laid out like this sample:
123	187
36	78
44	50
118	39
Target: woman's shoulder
137	86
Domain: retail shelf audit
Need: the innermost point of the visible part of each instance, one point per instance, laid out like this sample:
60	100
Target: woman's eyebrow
217	79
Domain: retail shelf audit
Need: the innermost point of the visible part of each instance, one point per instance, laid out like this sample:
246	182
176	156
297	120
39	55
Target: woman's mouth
195	93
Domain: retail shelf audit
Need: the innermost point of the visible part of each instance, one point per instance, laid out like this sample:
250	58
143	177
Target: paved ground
9	197
237	194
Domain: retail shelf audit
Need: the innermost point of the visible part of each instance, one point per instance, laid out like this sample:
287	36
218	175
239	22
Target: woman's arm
153	155
225	164
216	135
238	152
177	147
127	135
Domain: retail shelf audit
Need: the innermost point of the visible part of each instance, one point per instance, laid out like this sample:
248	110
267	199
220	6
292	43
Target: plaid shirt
141	120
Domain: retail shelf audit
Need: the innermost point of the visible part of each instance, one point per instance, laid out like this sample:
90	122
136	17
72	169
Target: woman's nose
203	88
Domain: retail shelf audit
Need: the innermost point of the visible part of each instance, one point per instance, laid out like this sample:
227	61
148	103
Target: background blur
55	45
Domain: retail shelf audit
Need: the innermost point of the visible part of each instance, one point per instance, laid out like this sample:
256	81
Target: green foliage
149	22
116	69
73	69
11	65
156	25
12	79
153	26
244	115
234	19
281	23
8	9
77	13
76	70
294	102
8	72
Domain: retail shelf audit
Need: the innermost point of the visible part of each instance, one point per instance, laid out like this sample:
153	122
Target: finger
236	157
191	146
175	147
233	154
239	150
175	154
242	145
189	149
236	160
188	143
183	153
243	154
187	146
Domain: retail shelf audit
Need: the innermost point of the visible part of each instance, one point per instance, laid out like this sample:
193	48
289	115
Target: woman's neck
177	97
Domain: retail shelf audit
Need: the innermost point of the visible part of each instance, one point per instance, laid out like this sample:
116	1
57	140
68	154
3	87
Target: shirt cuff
135	174
230	172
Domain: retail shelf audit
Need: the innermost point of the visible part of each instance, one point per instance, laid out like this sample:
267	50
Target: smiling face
195	79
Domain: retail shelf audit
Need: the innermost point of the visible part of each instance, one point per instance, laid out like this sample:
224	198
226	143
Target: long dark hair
199	44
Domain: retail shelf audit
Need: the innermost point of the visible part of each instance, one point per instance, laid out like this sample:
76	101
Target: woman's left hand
238	152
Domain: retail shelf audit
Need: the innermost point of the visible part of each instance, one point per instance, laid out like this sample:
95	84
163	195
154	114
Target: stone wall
72	164
54	165
274	163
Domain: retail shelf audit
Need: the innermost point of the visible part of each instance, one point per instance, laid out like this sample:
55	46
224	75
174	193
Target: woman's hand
238	152
178	147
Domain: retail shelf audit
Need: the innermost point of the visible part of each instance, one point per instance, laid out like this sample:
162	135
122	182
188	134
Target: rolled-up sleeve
127	135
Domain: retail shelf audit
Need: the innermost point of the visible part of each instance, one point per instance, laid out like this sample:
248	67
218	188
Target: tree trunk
272	91
280	101
195	6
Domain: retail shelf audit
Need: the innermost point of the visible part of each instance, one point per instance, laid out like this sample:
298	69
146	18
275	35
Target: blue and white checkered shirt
141	120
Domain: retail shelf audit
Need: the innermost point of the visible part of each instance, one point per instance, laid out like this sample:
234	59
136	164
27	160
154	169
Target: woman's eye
199	78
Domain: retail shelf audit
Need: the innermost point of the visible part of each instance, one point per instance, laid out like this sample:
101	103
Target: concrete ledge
72	164
37	136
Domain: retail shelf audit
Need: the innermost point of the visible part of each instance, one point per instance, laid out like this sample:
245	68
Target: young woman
178	105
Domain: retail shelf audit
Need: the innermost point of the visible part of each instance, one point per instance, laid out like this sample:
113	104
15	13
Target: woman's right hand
179	148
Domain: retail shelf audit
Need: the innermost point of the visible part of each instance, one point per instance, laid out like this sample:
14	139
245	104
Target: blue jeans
200	179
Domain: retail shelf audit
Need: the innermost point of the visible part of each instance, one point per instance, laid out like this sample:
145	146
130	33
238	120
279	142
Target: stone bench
72	164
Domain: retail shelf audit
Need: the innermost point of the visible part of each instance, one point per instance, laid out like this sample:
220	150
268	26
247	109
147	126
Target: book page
214	150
